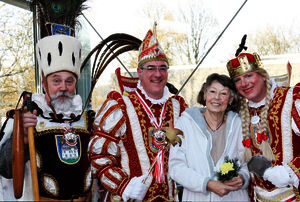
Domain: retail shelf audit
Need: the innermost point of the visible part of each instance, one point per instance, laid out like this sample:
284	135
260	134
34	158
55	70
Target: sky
119	16
125	16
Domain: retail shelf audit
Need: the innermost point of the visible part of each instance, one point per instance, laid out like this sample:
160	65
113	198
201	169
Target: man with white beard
62	130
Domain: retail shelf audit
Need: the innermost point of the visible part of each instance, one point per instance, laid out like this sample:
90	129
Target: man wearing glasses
130	147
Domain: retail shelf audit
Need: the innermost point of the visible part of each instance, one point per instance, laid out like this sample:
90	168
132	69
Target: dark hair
225	81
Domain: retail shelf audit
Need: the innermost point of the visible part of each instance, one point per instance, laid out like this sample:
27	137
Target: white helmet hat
59	53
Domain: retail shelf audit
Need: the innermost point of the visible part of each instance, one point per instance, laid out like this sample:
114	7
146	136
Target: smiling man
130	136
271	123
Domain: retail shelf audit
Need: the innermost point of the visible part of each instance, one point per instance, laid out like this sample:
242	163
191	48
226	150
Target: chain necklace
220	124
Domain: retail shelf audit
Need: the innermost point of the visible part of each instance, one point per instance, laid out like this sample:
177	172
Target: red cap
150	49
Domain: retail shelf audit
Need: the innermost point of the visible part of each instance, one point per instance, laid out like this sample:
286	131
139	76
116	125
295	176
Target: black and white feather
64	12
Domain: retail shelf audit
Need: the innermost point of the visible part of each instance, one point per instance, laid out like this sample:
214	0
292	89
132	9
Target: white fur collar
162	100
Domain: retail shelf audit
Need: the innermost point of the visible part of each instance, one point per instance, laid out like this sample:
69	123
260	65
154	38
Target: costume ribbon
159	172
247	142
261	137
150	114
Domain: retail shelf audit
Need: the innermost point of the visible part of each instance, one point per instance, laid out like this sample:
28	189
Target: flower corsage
228	170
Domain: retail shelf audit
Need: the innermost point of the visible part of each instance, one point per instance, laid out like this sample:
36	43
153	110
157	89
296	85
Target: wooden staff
18	155
30	135
34	178
149	172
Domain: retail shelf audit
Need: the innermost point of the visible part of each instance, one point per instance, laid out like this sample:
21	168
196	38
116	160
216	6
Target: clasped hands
223	188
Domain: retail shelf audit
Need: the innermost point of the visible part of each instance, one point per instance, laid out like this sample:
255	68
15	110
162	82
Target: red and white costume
280	140
122	146
284	139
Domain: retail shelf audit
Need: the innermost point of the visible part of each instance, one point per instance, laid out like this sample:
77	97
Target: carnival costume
192	164
127	141
281	181
61	137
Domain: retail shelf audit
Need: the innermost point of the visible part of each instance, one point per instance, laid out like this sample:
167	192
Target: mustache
59	94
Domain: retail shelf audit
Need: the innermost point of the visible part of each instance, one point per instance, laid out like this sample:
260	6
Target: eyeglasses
152	68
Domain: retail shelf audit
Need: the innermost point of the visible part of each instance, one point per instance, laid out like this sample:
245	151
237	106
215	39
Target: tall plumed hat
243	63
60	50
150	49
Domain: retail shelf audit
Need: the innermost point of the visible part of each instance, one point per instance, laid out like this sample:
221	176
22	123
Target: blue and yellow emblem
68	147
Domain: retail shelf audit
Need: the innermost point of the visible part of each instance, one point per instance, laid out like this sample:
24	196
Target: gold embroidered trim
285	195
294	168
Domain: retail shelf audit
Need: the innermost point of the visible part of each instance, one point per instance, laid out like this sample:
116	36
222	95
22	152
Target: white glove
293	176
278	176
136	189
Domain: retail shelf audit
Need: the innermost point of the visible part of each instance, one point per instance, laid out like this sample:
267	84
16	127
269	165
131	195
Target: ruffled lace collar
162	100
40	100
263	101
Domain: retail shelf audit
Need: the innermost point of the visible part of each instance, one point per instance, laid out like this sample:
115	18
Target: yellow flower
226	167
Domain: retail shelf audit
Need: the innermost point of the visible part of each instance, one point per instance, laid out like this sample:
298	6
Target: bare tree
16	55
274	40
189	33
200	28
154	10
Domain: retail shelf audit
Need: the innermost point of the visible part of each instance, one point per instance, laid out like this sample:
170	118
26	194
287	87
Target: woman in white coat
210	134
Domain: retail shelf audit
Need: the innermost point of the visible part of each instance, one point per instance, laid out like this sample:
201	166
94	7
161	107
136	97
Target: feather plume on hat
60	12
59	50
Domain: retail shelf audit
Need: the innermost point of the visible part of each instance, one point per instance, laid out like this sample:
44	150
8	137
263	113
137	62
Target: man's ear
264	78
43	84
45	91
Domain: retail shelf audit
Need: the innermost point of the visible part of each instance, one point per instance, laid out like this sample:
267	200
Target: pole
211	47
102	40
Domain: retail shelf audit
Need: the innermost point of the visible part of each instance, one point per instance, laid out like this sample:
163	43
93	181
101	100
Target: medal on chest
255	119
68	146
157	139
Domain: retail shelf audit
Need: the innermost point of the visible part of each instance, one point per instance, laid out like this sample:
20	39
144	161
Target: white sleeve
178	165
109	121
244	168
8	130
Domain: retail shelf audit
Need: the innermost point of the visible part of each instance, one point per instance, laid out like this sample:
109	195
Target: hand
278	176
136	189
219	188
29	120
236	182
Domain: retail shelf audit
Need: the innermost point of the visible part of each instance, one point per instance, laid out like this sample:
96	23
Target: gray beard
62	105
